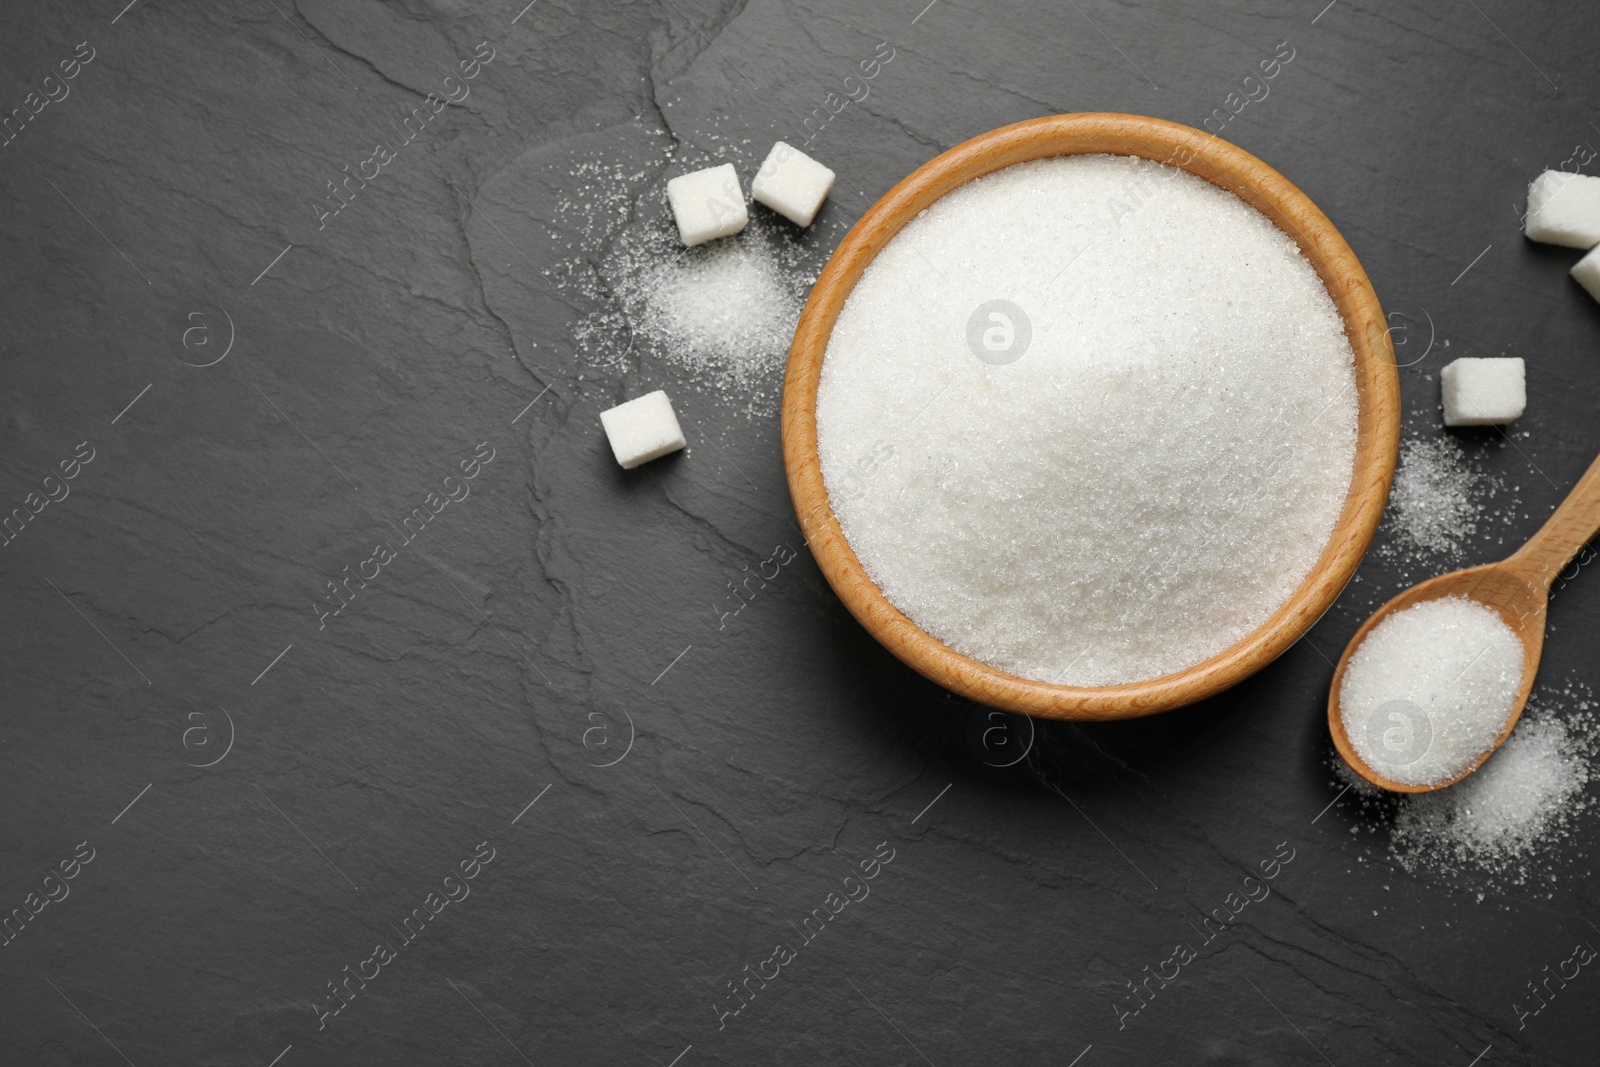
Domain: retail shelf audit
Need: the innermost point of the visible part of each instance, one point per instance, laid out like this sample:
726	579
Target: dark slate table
525	758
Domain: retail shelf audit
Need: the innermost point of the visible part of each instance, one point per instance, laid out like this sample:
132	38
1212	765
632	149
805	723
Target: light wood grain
1222	164
1517	587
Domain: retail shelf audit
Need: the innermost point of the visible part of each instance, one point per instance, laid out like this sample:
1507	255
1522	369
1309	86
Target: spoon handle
1568	529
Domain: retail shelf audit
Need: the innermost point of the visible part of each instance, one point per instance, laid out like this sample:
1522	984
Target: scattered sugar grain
1155	474
1430	688
597	201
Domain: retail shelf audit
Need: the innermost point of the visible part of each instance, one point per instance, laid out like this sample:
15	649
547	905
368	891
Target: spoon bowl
1517	588
1519	601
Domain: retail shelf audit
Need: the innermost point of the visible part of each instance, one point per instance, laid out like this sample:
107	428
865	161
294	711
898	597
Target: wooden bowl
1232	168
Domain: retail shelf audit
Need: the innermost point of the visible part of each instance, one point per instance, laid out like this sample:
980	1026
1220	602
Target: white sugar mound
1434	500
1522	797
1447	505
722	312
1516	823
728	305
716	318
1149	480
1430	688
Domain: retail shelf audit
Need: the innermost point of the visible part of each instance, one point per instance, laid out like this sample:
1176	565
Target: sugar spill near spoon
1517	589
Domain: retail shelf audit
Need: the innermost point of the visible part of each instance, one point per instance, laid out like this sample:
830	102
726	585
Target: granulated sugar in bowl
1091	417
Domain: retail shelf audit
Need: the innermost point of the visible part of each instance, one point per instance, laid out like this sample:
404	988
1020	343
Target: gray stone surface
517	644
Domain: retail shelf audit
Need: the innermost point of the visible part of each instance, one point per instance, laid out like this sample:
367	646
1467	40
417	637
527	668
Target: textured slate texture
502	654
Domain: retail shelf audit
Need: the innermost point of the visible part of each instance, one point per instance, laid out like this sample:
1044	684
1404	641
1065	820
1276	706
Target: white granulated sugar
1511	824
1525	796
596	202
1430	689
1153	475
1435	501
728	306
724	312
1444	502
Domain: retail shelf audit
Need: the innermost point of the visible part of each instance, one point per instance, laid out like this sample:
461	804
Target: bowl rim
1223	164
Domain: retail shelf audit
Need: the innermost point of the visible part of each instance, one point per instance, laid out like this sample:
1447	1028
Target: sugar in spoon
1518	588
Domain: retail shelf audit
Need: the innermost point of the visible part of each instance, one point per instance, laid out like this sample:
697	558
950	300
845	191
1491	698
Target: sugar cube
707	204
1483	392
792	184
1564	209
1587	272
642	429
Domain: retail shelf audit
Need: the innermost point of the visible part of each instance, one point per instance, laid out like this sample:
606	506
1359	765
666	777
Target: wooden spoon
1517	587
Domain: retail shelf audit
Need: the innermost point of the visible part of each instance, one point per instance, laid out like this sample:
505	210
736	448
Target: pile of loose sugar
1445	501
1430	688
728	305
1121	414
1435	496
1509	824
724	312
1522	795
